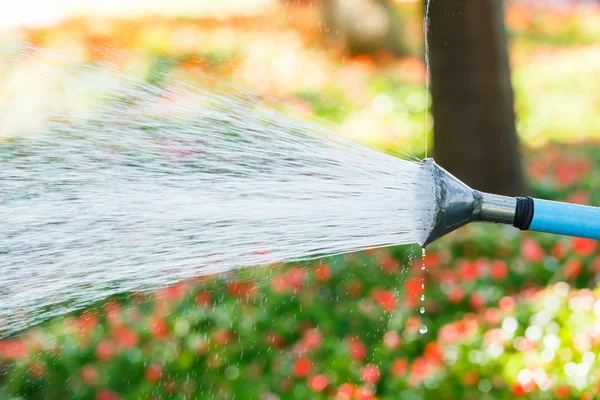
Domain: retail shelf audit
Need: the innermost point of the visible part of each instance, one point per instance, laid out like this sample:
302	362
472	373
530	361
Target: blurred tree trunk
475	134
363	26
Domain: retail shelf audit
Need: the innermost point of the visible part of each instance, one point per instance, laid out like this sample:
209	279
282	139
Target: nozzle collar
524	213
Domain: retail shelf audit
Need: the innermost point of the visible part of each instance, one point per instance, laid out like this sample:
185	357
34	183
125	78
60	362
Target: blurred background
508	314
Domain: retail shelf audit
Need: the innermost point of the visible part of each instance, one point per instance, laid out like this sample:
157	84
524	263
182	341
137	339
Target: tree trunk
475	134
363	26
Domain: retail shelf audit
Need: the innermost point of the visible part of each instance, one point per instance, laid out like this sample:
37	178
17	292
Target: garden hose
456	204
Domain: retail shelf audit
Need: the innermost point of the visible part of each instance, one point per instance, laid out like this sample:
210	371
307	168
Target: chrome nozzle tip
455	202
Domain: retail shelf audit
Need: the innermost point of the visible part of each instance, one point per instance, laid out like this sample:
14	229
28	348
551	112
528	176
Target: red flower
302	367
413	287
448	333
89	374
532	251
88	321
386	299
432	260
572	268
222	336
420	369
13	349
400	367
434	352
173	293
107	395
568	172
456	295
158	327
312	338
493	336
391	340
492	316
323	273
470	378
112	310
203	299
345	391
559	251
279	284
584	247
318	383
105	350
153	372
457	330
477	300
539	167
370	374
356	348
579	197
498	270
388	264
363	393
563	391
524	345
126	338
517	390
468	271
296	278
446	276
413	324
242	290
292	280
596	264
506	304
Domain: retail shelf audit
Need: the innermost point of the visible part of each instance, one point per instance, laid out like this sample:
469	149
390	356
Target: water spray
127	186
456	205
118	185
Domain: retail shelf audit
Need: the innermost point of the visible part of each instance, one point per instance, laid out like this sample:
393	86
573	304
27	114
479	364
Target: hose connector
524	213
497	209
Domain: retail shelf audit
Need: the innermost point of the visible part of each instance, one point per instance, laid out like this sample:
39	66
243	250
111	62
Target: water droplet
422	310
423	329
422	285
423	267
423	251
422	297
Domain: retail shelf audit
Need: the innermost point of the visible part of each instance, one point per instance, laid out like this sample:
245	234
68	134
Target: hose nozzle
456	204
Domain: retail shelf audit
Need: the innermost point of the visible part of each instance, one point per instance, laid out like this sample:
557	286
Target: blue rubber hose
565	219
